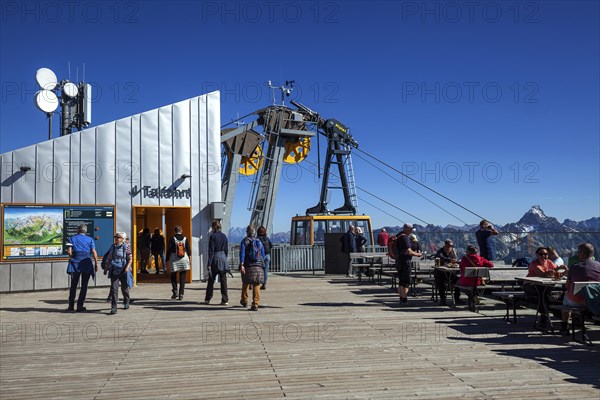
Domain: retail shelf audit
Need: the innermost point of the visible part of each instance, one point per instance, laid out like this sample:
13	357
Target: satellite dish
70	90
46	101
46	79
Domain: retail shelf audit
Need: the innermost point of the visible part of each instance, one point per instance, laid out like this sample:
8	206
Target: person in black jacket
348	241
157	246
217	263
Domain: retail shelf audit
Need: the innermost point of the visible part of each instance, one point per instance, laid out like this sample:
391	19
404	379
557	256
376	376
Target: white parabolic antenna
70	90
46	78
46	101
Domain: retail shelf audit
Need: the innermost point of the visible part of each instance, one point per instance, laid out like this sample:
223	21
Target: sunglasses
118	237
543	254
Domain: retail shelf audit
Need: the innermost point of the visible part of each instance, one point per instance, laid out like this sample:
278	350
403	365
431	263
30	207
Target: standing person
157	247
586	270
252	254
360	240
80	247
268	245
218	265
117	262
472	259
414	243
447	255
485	241
383	238
348	241
178	253
105	265
403	265
144	242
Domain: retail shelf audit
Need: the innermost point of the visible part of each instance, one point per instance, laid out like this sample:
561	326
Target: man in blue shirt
80	247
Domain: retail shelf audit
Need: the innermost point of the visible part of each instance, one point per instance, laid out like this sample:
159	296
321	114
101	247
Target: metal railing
509	246
286	258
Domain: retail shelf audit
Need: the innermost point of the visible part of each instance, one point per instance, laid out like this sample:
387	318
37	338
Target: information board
42	231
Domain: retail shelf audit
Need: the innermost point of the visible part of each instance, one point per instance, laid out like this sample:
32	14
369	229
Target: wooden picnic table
542	285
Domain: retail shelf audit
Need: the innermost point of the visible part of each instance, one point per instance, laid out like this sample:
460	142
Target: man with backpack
403	265
252	255
179	249
268	245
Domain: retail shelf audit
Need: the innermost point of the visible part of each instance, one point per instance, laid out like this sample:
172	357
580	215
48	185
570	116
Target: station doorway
165	219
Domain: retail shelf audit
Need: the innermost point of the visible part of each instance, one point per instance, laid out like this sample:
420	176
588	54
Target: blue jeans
85	278
267	261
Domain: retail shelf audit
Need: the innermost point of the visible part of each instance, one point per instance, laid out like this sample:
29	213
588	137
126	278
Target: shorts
403	268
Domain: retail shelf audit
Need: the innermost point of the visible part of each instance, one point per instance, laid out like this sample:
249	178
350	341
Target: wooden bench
580	313
499	280
512	300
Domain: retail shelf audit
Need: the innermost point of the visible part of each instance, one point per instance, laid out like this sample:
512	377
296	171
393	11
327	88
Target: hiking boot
113	311
180	297
254	308
243	304
71	309
206	302
174	296
126	306
224	303
81	309
263	287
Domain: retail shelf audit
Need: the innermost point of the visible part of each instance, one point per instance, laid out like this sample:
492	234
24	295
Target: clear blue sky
493	104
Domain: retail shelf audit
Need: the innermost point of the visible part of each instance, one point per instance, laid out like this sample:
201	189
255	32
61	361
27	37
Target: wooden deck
315	336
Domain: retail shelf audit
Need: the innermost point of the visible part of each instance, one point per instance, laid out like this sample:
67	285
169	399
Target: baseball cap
450	242
407	226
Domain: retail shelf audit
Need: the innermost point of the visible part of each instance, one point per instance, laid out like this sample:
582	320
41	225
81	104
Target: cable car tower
286	135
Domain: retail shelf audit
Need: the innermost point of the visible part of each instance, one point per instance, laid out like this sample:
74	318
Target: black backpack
266	244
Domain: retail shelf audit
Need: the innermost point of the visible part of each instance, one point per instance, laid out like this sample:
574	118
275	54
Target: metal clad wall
6	167
89	167
44	172
124	165
149	154
181	150
75	162
24	187
103	164
62	162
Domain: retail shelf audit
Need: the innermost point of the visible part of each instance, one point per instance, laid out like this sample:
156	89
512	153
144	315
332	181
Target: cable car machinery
286	134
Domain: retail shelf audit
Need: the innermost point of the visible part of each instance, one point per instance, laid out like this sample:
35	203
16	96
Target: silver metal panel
60	279
75	162
182	150
46	172
62	159
5	277
124	169
24	186
165	152
149	153
42	276
90	171
199	245
101	279
133	172
21	277
105	163
7	170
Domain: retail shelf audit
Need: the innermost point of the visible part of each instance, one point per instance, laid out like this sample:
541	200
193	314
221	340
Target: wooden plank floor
315	336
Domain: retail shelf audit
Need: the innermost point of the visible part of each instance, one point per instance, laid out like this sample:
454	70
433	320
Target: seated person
585	270
541	267
472	259
554	257
447	255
